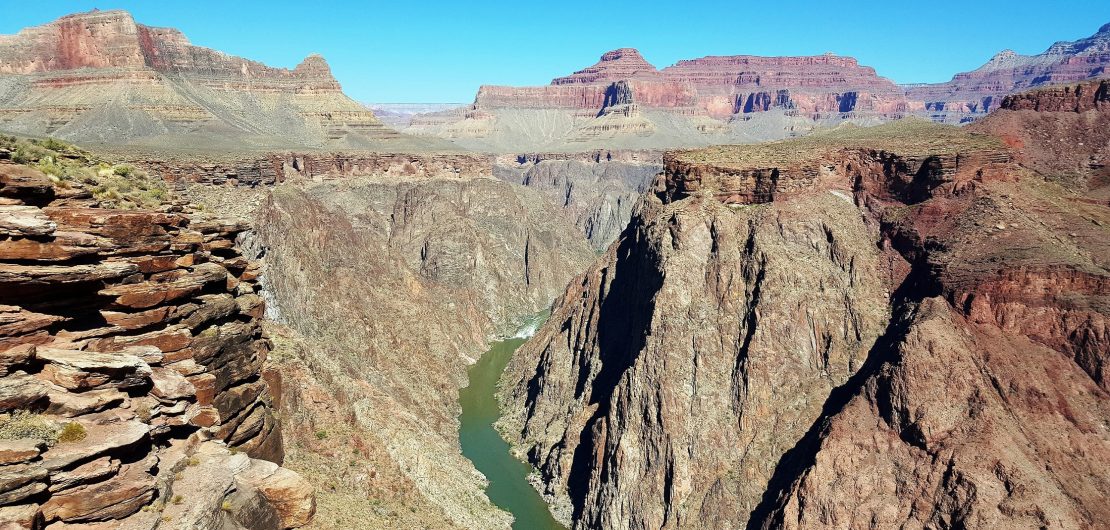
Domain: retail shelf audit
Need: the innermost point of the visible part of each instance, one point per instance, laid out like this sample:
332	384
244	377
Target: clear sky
434	51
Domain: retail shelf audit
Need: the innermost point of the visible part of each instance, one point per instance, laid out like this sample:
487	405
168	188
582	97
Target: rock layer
129	363
396	284
973	94
100	77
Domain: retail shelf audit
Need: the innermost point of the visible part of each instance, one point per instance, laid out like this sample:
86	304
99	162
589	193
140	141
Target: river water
508	483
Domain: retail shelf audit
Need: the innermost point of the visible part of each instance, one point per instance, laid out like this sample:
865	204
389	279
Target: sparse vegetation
72	432
908	137
178	499
115	186
321	435
28	425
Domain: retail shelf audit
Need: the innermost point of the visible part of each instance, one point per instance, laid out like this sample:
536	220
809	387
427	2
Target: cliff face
100	77
885	327
597	191
132	349
397	284
972	94
716	86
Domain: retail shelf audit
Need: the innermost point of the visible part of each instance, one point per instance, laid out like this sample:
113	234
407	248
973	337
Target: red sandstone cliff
716	86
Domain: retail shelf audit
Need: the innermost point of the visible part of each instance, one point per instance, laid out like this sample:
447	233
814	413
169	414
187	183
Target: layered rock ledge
131	349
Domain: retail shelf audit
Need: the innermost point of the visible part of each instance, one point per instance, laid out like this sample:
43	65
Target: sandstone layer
101	78
131	350
868	328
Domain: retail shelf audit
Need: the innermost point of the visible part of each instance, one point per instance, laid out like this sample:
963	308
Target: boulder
22	517
170	385
115	498
104	434
290	494
19	481
25	221
26	184
15	357
20	391
69	404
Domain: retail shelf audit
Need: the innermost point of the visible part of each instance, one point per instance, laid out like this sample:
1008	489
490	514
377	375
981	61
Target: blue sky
442	51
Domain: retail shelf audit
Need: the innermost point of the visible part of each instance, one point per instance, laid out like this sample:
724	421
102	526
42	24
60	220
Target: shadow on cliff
625	308
920	284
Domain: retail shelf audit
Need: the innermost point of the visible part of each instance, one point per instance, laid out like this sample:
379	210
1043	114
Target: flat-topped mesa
113	40
887	162
717	86
971	94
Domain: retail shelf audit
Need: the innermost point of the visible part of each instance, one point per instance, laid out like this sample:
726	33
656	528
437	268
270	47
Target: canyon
780	294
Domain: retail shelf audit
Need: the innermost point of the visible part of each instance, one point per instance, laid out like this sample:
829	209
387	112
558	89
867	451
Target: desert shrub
72	432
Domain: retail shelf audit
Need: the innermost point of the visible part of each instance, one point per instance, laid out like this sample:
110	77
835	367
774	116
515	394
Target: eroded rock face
598	190
864	340
124	360
100	77
396	285
973	94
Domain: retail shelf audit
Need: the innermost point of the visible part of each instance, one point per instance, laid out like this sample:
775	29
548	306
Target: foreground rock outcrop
868	328
131	351
101	78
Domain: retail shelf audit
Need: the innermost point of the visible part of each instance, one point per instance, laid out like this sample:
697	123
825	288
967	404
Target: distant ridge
101	78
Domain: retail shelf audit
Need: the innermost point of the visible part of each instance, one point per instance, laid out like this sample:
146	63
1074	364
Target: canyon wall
396	285
867	328
625	102
132	351
596	191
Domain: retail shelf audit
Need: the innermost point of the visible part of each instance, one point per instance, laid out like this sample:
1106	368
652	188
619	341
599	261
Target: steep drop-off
396	285
131	351
887	327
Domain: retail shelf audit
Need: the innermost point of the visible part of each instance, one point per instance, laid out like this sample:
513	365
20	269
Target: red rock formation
893	327
623	63
155	84
982	90
717	86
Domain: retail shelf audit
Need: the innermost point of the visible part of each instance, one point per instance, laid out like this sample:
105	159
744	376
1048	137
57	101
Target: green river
508	483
